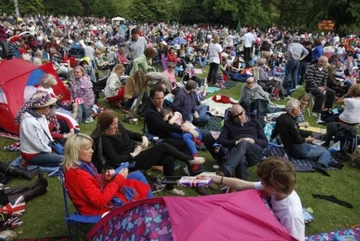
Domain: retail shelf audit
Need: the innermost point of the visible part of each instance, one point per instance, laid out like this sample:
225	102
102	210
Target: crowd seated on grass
119	146
286	57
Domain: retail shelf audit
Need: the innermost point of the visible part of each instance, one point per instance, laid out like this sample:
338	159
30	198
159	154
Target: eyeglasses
248	83
240	114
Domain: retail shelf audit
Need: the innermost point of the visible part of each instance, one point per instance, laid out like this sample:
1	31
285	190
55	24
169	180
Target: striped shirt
315	77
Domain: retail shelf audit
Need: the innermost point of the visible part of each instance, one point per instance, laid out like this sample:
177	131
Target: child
278	179
190	138
304	104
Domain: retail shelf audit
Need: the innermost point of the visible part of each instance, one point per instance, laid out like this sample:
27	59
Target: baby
191	138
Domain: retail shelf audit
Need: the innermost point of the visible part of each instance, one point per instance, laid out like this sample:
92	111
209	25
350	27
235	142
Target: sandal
176	192
197	160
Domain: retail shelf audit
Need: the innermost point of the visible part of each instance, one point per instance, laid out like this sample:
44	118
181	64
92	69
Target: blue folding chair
75	219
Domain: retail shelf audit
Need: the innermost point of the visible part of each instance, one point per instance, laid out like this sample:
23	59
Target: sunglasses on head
236	116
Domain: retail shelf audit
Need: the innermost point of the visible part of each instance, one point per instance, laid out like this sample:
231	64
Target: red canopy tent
15	75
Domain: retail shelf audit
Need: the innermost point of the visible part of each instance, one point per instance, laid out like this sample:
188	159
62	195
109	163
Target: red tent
15	75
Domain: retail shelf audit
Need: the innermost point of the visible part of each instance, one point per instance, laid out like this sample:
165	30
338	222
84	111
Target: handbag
56	147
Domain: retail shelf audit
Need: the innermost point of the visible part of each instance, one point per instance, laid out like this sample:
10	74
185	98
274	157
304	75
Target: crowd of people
272	63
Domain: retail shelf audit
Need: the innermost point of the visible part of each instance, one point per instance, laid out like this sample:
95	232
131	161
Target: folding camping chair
75	219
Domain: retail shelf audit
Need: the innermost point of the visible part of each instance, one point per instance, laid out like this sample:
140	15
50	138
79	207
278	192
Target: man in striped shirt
316	77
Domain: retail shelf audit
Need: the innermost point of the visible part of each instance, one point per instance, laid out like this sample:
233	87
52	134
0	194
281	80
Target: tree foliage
303	14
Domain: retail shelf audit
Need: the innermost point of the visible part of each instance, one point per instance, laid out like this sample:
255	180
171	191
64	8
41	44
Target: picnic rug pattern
330	236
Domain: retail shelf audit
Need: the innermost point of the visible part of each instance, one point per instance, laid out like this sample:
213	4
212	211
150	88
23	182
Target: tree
68	7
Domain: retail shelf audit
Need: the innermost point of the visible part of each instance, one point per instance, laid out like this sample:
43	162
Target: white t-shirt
350	115
248	40
289	212
214	50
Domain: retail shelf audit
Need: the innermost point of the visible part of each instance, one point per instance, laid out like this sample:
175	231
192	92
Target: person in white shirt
215	50
248	41
350	114
136	45
278	179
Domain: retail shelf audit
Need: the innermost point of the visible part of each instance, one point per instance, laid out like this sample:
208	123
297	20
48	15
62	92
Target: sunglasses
240	114
249	82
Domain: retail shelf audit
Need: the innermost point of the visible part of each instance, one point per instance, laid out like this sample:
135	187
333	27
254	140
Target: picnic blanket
216	108
330	236
19	162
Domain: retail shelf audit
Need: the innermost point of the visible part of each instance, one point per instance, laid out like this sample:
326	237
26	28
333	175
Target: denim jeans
137	175
188	139
83	112
307	150
242	156
203	117
291	68
202	61
46	159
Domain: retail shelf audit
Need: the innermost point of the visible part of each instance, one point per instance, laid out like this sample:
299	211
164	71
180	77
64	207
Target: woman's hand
109	174
136	151
145	142
124	172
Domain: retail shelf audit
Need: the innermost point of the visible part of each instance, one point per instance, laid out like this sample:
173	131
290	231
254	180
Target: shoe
337	165
197	161
203	191
313	114
176	192
157	168
321	168
89	120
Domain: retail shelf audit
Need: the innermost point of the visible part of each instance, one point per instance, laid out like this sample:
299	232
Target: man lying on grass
278	179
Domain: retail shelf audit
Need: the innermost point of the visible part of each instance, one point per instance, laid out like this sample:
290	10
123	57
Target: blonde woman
93	193
114	90
215	50
135	88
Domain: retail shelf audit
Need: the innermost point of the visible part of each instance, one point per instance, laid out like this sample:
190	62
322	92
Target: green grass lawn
44	216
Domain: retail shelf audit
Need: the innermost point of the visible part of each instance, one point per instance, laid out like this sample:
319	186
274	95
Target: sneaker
89	120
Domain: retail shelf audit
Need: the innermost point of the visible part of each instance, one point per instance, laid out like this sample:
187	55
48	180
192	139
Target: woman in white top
350	114
215	50
34	130
114	90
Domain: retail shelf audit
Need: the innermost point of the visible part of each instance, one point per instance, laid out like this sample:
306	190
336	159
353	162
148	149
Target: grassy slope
44	215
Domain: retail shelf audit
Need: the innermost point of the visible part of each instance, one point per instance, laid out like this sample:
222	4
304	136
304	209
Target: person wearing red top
172	57
93	193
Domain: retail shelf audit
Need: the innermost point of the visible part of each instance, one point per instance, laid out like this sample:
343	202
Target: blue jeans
203	117
46	159
202	61
291	68
83	112
188	139
242	156
307	150
137	175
